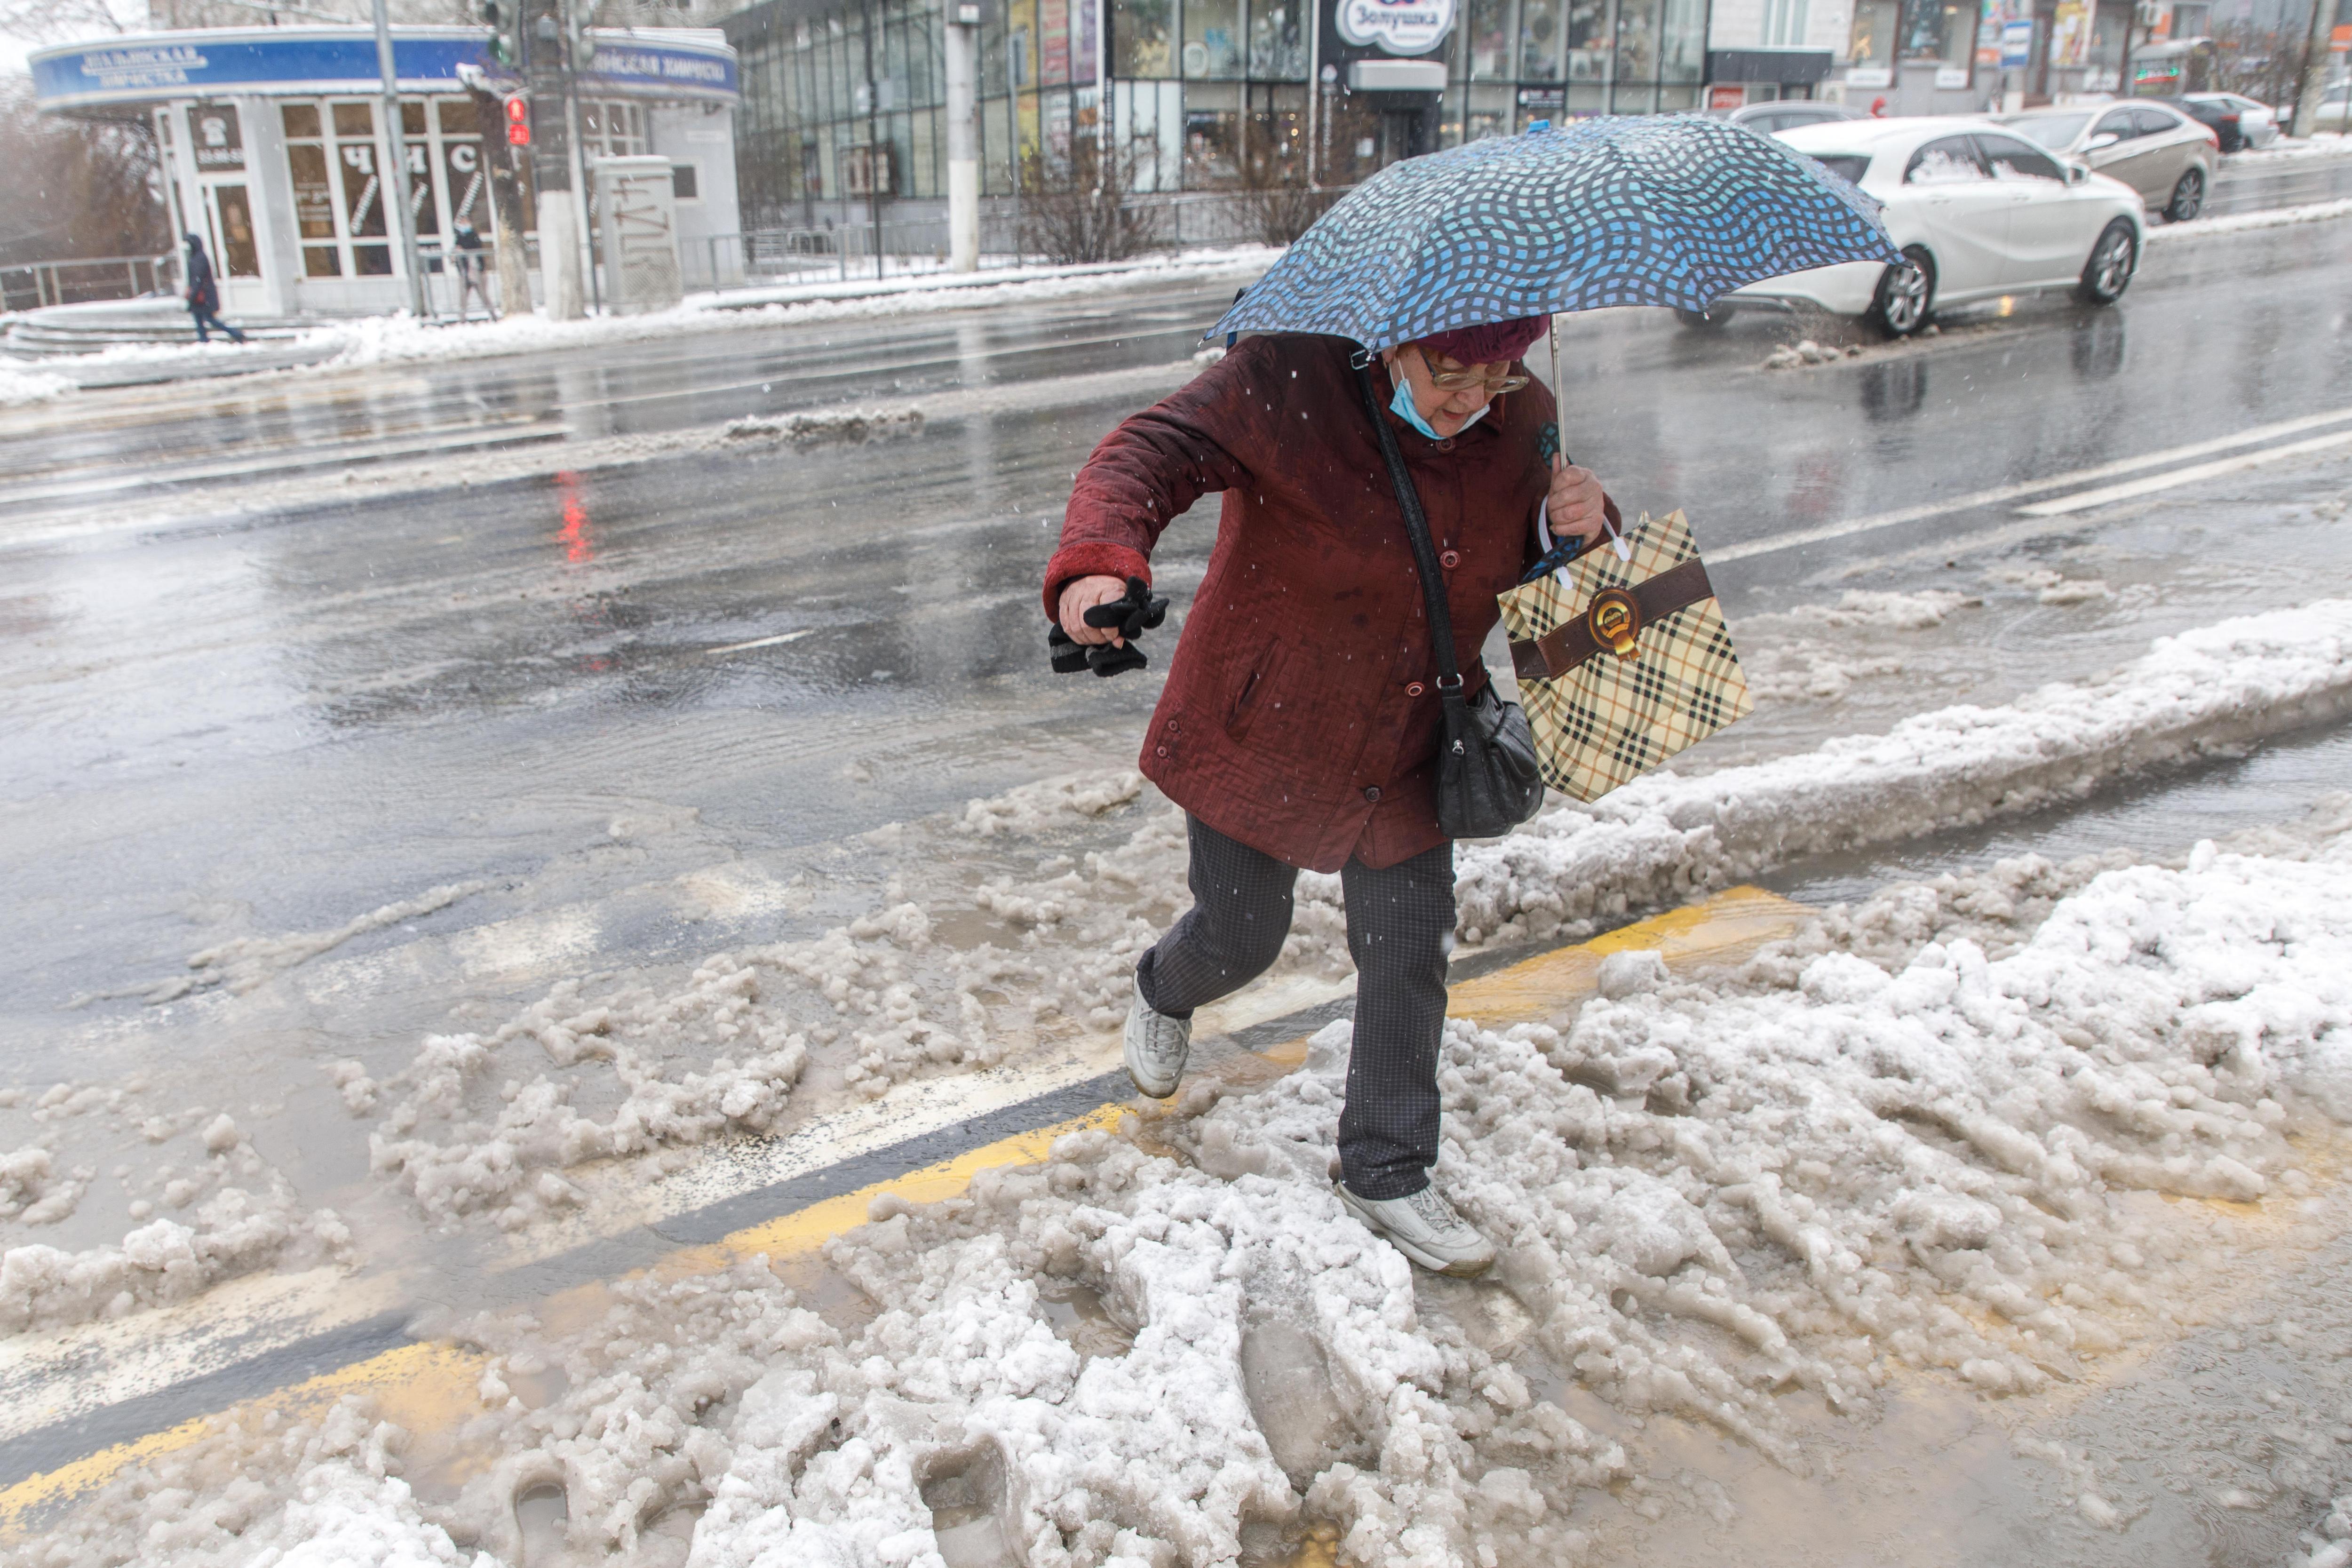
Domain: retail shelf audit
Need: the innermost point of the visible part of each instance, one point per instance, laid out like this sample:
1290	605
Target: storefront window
363	188
1277	41
314	194
1142	37
1489	113
1637	56
239	257
1939	30
1489	39
1211	137
1212	33
1871	44
1681	47
1542	34
1588	47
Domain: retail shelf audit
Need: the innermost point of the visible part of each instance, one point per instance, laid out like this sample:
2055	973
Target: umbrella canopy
1635	210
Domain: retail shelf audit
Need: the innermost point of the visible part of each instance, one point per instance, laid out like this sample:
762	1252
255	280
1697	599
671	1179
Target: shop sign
311	61
1543	98
1398	26
1869	76
218	140
2070	35
1950	77
1730	96
2016	45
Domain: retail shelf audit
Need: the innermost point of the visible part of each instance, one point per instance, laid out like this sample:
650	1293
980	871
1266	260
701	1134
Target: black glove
1138	612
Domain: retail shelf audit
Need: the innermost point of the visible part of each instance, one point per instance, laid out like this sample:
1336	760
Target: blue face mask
1410	412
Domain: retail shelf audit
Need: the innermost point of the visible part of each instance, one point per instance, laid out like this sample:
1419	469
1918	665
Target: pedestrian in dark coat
473	269
204	294
1300	721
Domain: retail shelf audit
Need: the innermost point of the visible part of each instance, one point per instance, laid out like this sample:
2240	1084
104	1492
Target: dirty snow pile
1798	665
1929	1132
2241	223
849	427
2333	1549
18	387
1663	835
242	1215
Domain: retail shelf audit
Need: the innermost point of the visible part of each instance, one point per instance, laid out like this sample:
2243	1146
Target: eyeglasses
1470	381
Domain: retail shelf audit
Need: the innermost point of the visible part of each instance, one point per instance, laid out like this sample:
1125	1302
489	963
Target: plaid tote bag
1622	663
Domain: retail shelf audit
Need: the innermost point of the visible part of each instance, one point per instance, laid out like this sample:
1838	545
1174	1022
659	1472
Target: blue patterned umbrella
1650	210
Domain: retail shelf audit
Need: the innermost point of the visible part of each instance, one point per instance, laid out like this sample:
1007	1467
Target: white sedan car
1979	212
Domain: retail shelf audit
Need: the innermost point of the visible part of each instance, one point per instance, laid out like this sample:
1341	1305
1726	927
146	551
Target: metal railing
845	252
31	285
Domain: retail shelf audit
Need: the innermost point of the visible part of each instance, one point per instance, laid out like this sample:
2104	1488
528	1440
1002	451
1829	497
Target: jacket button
1446	444
1372	793
1414	688
1159	751
1172	726
1449	558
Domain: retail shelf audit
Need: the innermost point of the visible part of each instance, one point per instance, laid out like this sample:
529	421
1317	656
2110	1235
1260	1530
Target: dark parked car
2216	113
1788	113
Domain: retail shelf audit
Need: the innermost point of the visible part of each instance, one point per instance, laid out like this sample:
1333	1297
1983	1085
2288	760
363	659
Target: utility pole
396	146
963	136
578	50
874	165
560	207
2314	67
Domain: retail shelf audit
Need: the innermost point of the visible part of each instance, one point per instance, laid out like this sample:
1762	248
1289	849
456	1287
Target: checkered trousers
1399	927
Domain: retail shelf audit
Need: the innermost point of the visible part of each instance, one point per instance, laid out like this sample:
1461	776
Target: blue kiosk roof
673	65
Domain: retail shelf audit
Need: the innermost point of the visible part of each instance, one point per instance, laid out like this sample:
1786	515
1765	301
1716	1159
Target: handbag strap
1416	529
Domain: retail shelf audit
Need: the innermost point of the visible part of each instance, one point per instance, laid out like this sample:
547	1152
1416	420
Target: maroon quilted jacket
1300	715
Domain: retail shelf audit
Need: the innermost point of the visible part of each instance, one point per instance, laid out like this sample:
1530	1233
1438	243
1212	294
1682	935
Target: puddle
534	1382
540	1514
1307	1543
1287	1382
966	1496
1077	1314
828	1294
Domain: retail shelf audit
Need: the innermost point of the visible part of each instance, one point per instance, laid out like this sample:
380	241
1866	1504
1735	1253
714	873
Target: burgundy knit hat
1495	342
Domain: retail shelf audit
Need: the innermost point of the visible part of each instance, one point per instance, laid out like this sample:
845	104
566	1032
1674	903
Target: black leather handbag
1488	781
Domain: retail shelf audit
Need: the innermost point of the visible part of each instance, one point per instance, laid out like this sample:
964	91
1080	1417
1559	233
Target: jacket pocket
1256	690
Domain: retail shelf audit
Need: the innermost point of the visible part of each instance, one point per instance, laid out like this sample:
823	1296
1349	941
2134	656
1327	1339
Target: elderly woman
1300	726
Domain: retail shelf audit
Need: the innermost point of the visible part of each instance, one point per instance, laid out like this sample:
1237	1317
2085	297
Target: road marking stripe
776	641
427	1387
2086	500
431	1387
290	460
2003	493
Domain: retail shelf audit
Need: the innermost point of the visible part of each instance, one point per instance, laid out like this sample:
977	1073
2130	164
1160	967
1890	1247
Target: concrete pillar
559	256
273	201
963	136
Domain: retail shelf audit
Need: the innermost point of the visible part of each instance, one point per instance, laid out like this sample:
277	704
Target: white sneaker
1157	1045
1424	1227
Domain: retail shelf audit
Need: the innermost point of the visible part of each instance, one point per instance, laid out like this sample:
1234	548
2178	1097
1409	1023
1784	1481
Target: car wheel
1906	294
2188	196
1713	318
2108	272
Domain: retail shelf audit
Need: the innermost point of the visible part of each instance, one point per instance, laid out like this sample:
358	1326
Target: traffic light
504	19
518	122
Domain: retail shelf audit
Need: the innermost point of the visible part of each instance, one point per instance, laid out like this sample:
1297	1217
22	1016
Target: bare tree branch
54	21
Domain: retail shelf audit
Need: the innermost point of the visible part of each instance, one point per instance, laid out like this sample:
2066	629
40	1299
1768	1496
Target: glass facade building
1201	94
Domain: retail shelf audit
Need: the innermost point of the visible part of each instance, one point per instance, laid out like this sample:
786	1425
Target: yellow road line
426	1387
431	1388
